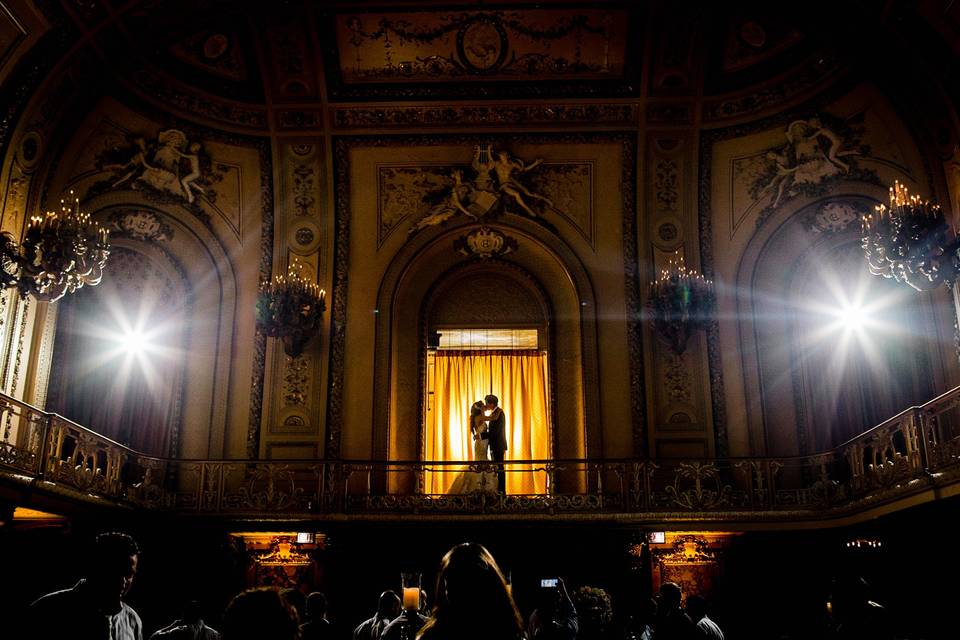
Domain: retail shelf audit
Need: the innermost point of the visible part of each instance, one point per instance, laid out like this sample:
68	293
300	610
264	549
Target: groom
496	437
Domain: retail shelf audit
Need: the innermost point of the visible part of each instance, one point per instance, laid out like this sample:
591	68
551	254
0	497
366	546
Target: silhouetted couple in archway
488	425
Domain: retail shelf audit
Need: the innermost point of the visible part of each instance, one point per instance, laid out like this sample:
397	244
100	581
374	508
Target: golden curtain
519	380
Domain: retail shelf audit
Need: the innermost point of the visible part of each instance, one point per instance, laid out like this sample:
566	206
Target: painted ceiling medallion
485	243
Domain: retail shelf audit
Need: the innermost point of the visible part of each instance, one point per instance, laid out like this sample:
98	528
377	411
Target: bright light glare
852	317
134	342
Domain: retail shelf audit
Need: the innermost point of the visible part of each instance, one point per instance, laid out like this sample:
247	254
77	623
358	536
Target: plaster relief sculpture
171	167
494	187
819	152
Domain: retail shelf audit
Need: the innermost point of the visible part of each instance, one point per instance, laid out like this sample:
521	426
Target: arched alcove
486	325
418	283
120	352
821	337
188	252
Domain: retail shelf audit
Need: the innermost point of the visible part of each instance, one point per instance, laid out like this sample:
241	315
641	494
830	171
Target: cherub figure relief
814	154
171	164
495	181
505	168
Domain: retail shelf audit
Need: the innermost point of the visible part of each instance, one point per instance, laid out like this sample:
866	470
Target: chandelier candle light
681	302
910	241
61	252
291	308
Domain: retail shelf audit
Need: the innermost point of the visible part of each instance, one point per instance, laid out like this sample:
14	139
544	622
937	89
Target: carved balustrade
911	452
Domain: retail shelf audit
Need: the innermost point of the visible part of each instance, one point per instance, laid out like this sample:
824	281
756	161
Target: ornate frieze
676	379
155	86
299	119
214	51
475	45
291	58
430	53
817	71
666	185
624	115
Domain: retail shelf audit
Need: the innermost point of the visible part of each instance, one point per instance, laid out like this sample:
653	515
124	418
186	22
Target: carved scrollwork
698	486
271	487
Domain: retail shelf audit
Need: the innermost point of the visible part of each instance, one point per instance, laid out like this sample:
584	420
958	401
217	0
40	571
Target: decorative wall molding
266	270
815	72
611	114
153	85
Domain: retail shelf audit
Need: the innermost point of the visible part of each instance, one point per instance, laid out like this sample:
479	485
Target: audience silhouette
94	607
697	607
672	621
317	627
388	608
189	626
260	614
472	599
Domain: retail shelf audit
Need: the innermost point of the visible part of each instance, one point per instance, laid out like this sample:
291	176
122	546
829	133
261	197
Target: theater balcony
912	458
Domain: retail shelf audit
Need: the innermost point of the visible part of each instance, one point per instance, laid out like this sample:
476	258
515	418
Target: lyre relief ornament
681	302
291	308
61	252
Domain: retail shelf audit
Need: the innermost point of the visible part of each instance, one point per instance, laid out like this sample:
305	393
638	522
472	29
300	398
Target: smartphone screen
548	582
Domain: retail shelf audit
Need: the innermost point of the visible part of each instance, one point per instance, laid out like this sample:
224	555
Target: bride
471	481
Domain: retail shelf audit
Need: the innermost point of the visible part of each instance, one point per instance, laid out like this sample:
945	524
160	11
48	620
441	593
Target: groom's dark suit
497	441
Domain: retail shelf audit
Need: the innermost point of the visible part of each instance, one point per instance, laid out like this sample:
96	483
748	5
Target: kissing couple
488	425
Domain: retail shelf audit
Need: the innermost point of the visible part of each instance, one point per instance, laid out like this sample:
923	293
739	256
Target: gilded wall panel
680	409
593	169
294	394
480	46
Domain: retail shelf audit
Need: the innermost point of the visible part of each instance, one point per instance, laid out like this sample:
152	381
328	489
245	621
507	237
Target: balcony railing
914	453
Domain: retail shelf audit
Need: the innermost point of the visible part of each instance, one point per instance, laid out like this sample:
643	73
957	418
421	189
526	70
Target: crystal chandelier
910	242
291	308
681	302
61	252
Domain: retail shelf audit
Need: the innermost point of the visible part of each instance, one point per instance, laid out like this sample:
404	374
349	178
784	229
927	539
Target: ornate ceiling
281	66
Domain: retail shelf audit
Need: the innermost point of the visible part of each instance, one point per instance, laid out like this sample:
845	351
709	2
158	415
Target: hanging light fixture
681	302
61	252
291	308
910	242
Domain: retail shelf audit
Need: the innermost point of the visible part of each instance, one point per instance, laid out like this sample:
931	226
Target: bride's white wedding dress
472	481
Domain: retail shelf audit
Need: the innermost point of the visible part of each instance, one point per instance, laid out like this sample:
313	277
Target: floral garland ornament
61	252
681	302
291	308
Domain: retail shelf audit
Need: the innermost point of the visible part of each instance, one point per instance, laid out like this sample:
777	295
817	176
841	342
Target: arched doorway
488	328
414	282
120	354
